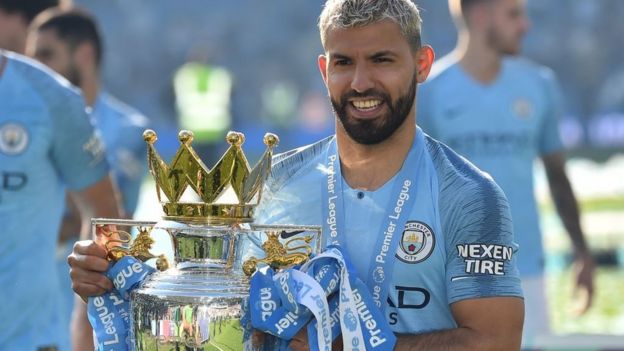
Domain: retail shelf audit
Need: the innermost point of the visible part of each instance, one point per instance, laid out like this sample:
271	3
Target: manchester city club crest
13	139
416	244
522	108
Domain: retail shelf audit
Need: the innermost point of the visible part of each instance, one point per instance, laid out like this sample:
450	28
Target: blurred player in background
69	42
47	146
500	112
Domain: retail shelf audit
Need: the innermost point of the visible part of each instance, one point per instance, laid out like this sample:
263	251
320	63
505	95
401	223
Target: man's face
371	77
13	29
507	26
49	49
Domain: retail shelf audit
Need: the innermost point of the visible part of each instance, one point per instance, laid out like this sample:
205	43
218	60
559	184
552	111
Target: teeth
367	104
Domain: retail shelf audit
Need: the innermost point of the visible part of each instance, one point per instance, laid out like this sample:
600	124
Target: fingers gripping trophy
198	301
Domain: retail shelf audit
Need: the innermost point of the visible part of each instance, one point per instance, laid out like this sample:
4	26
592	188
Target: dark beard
371	132
73	75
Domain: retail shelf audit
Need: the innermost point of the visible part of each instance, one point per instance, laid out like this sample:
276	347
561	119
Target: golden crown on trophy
225	194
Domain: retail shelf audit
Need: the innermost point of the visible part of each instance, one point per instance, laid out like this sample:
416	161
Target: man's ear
424	60
322	65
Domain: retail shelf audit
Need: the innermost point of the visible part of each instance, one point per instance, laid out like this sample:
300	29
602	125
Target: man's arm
77	225
493	323
98	200
568	211
71	227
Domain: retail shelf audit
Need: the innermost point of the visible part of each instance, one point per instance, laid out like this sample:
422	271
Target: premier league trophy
196	303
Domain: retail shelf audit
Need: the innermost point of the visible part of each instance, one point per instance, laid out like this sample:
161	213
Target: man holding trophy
426	232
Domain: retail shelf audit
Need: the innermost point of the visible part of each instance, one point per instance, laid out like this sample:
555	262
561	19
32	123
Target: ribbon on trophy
325	296
109	314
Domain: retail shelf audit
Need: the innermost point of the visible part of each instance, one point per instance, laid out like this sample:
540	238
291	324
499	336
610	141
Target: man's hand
87	266
568	210
88	260
300	341
583	269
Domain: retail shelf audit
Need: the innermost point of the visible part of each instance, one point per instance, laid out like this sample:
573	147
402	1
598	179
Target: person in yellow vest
203	98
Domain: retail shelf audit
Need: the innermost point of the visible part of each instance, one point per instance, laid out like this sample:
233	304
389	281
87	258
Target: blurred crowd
573	37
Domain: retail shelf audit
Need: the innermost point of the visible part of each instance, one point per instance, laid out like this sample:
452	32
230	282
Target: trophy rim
209	213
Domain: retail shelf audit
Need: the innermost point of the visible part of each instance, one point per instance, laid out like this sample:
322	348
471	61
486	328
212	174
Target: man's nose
362	79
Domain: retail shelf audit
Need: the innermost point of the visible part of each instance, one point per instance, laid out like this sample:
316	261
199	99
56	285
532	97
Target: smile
366	105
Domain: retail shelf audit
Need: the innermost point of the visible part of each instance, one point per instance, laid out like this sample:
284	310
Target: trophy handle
280	255
119	243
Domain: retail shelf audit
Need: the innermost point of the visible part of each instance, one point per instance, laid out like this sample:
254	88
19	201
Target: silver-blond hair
355	13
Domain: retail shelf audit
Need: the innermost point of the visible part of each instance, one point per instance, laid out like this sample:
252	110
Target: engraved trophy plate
197	301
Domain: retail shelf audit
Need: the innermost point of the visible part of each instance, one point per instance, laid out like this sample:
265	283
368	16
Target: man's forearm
100	200
81	332
458	339
568	211
71	226
564	199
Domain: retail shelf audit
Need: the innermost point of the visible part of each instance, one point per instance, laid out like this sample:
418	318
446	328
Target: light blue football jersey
500	127
47	145
457	242
121	128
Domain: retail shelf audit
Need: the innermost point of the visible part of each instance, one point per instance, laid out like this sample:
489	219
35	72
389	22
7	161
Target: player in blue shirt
47	146
453	281
43	150
457	242
69	42
500	112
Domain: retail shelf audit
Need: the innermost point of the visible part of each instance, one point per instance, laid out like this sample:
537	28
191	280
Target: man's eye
382	59
342	62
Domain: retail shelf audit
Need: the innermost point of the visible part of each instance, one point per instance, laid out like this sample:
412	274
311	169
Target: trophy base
183	323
